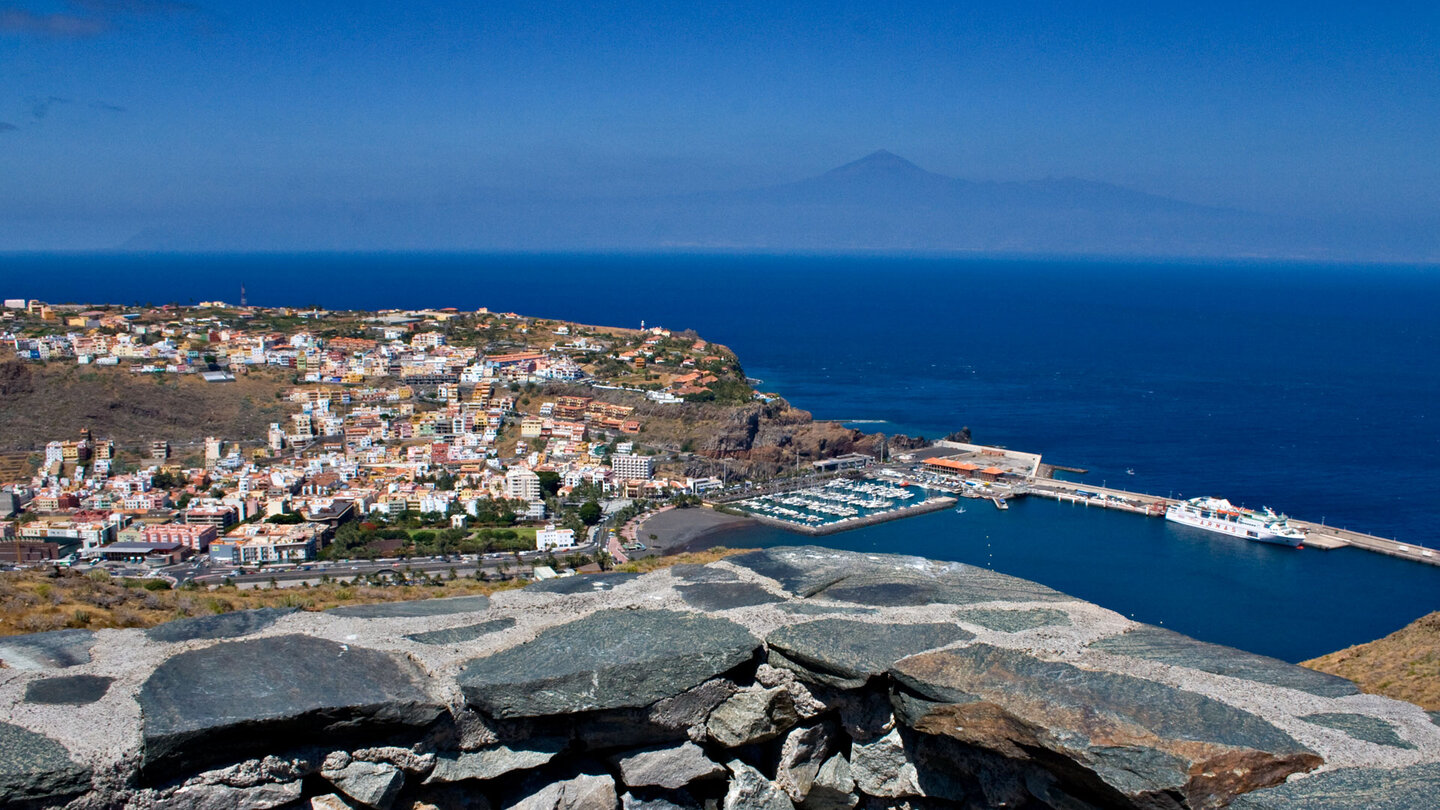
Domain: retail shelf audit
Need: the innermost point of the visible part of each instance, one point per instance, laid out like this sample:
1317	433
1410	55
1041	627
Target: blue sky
115	111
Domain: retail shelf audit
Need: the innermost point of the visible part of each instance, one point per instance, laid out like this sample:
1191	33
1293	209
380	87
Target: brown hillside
1404	665
39	403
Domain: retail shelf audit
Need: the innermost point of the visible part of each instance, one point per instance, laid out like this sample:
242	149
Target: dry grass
1404	665
54	401
34	601
645	565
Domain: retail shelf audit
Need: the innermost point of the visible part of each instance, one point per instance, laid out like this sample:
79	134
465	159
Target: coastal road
312	572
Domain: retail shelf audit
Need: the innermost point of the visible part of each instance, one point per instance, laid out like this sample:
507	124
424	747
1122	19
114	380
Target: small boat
959	510
1130	471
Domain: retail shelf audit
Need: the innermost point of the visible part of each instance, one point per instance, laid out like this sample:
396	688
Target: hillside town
429	432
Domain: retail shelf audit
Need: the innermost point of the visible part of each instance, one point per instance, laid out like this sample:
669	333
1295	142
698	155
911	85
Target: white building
633	468
551	538
276	437
522	484
213	450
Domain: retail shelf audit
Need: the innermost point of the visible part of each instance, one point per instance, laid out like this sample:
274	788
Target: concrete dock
1325	538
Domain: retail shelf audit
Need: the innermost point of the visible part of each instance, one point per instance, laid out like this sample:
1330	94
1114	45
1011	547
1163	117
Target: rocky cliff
776	679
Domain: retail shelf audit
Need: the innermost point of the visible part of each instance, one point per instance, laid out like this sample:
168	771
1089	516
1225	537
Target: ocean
1309	388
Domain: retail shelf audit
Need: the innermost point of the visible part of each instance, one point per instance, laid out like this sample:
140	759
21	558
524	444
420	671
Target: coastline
691	529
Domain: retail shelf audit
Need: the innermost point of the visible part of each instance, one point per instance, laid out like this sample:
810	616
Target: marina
940	475
841	504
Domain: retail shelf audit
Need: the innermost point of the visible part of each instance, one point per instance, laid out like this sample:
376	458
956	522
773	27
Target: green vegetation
369	541
286	519
590	513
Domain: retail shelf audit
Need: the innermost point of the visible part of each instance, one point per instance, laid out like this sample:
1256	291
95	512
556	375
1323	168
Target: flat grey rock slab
1361	727
963	587
239	697
1139	736
53	650
582	583
1169	647
610	659
1014	621
266	796
802	571
34	768
669	767
669	800
224	625
374	784
845	653
460	635
1414	788
419	607
689	572
885	580
68	690
494	761
587	791
813	609
715	596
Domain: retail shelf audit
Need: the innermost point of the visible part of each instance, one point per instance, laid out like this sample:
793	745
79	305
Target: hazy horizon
213	122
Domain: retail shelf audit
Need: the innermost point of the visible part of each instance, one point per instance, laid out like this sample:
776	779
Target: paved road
463	565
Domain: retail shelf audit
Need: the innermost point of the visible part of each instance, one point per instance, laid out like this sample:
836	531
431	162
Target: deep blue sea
1314	389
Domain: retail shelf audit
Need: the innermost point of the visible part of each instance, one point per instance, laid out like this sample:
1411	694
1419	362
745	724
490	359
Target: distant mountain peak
881	161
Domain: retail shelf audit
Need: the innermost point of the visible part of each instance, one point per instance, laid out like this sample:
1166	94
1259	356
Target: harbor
908	485
1317	535
840	504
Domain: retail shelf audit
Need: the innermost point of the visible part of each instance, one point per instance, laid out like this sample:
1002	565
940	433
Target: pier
1325	538
998	474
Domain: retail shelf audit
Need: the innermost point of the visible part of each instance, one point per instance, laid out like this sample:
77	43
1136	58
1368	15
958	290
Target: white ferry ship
1219	515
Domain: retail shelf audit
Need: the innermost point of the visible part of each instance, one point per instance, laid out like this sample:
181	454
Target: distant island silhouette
881	202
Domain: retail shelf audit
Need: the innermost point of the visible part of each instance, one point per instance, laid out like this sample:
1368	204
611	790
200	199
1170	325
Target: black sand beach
677	530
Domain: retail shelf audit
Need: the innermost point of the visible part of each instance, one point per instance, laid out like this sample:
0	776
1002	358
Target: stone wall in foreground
784	678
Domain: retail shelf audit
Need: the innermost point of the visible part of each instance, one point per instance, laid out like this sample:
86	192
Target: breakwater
1318	535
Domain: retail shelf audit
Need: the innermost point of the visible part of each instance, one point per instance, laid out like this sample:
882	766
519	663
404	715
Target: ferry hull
1232	528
